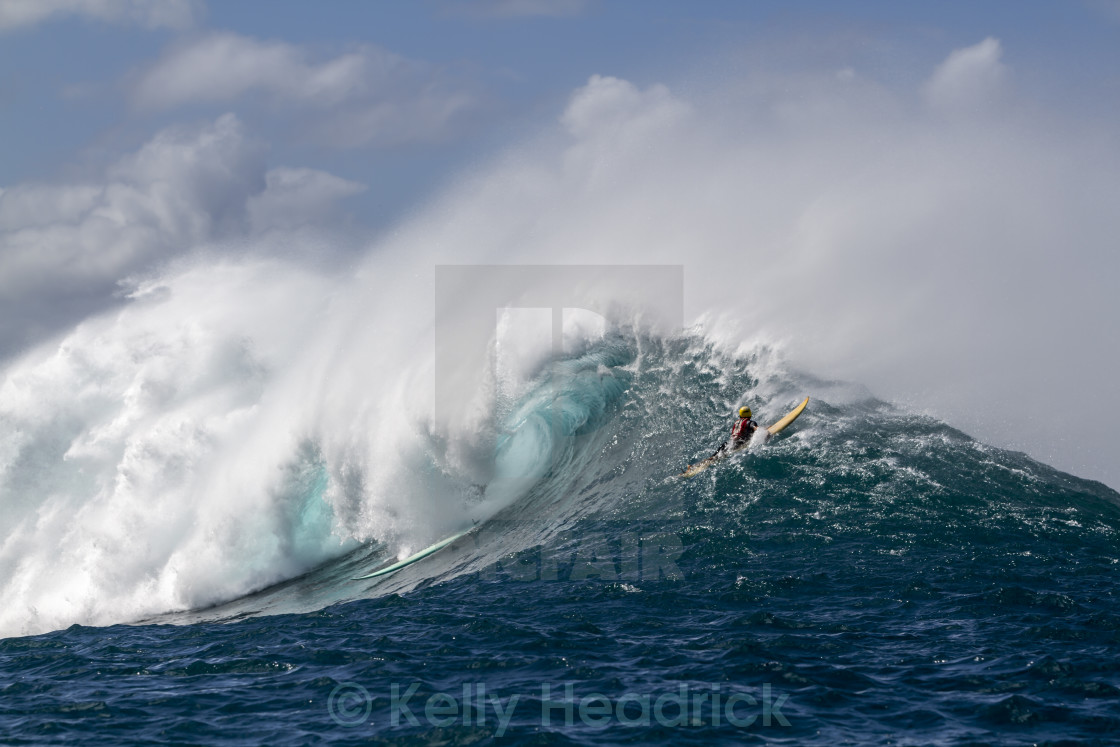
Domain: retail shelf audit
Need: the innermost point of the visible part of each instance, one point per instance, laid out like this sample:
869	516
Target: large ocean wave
235	442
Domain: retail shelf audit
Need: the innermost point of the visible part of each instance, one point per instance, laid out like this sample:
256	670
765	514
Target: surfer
741	435
741	432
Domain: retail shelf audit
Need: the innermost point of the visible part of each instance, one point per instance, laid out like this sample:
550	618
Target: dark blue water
870	577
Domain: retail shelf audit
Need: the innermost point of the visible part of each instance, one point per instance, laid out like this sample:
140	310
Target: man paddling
741	432
741	435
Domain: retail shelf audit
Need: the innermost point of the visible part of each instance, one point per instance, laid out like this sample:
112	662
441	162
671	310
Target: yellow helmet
744	412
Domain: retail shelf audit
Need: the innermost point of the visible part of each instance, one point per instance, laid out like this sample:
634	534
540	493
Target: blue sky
65	85
940	176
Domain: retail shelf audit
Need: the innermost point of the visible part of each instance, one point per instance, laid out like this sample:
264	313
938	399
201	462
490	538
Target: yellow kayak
694	469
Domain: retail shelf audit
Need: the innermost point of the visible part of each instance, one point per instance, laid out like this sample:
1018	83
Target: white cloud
35	206
148	13
223	66
174	192
608	106
368	95
297	197
612	118
969	79
64	248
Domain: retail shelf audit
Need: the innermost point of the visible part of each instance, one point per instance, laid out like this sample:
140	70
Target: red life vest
743	429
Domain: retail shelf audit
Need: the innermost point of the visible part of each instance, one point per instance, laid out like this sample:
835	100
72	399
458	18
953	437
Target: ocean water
871	576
